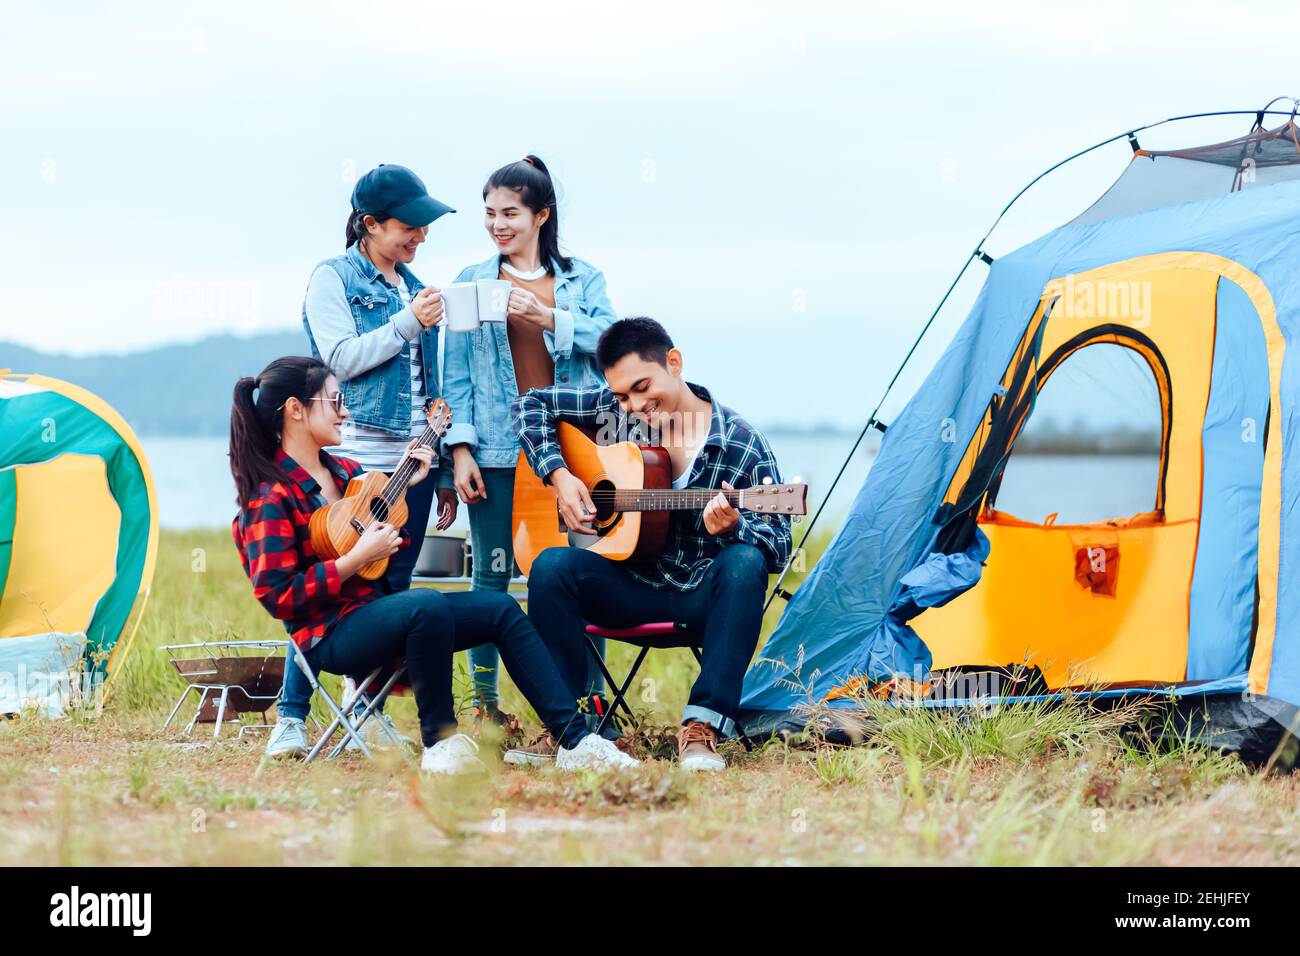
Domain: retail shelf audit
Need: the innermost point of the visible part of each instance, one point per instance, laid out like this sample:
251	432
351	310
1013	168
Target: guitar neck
666	499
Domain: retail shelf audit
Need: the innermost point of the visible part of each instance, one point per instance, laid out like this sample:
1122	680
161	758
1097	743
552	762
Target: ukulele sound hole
379	509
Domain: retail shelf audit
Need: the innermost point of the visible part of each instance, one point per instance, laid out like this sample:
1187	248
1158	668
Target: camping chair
352	695
370	697
662	634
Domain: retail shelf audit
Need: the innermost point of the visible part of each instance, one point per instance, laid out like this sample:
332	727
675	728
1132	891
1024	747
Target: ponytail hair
356	227
257	418
530	178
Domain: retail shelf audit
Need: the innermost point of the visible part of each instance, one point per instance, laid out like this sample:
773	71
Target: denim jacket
370	350
480	374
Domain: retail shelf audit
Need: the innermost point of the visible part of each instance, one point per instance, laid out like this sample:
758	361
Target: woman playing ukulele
280	425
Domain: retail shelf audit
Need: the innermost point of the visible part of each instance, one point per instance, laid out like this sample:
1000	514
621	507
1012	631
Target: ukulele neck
407	467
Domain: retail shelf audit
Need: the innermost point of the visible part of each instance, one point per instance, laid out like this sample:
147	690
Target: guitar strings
685	491
407	468
692	497
404	471
640	496
701	494
396	483
682	499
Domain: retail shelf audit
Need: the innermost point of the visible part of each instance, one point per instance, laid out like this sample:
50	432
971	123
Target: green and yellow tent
78	540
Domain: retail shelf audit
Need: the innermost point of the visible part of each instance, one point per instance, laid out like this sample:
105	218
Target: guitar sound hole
379	509
603	498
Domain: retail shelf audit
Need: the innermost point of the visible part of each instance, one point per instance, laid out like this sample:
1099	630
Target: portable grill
230	680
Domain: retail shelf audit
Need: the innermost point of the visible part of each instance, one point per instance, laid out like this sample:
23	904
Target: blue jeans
494	562
570	588
295	695
425	628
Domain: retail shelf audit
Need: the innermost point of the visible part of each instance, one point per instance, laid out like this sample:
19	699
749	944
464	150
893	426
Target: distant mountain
186	389
171	390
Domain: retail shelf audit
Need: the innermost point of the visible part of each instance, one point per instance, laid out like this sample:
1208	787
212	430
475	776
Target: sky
789	188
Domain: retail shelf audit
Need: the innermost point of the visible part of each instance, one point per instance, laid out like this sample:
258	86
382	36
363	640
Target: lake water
192	479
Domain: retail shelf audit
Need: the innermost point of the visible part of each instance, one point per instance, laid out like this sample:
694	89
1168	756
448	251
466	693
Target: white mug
460	304
493	299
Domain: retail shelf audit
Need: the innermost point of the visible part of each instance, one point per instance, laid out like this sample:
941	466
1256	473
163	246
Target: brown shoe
697	748
507	722
539	752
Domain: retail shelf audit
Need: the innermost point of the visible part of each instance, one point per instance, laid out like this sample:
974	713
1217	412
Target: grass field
1020	785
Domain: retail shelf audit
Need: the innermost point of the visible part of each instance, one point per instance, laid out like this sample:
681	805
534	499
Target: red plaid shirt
271	533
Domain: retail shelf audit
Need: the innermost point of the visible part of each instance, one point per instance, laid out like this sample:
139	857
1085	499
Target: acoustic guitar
371	498
631	487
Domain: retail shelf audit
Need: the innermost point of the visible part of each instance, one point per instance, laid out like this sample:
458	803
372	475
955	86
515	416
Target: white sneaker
288	738
594	753
456	754
376	737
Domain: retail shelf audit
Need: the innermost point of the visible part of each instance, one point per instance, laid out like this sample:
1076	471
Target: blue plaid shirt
733	452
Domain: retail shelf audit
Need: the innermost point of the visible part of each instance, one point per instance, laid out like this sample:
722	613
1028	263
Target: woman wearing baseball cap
376	325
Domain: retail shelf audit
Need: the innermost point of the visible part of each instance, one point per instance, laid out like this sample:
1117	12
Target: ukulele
631	487
371	498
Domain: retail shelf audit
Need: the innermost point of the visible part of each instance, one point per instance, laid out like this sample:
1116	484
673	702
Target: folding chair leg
604	672
600	661
339	719
372	704
621	691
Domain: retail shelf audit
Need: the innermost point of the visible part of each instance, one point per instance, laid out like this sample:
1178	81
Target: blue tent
1192	262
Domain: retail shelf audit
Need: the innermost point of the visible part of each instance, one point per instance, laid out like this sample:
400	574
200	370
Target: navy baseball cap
396	191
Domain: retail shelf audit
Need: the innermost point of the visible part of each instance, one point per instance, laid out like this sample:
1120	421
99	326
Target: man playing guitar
713	573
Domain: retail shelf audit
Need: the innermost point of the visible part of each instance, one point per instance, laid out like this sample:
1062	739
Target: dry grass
116	791
1014	786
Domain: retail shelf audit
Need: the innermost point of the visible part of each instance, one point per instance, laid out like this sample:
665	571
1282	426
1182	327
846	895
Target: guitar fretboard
662	499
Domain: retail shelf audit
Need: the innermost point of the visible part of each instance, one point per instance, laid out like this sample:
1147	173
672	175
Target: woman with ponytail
557	309
281	423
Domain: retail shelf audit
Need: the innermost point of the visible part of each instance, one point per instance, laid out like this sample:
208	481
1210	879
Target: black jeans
419	505
426	627
295	696
570	588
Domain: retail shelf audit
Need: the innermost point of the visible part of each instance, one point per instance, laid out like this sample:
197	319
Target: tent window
1090	450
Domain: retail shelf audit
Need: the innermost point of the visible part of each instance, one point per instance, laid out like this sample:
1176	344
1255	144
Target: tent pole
979	253
776	588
